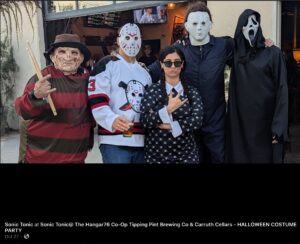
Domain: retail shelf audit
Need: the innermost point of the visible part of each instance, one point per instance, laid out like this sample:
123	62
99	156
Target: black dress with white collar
160	145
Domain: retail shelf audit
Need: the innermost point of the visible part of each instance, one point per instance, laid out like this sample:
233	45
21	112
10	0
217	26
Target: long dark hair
162	55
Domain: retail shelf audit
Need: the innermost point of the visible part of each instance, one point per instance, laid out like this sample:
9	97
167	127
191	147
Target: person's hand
175	102
269	42
164	126
274	140
42	87
113	53
183	41
121	123
144	66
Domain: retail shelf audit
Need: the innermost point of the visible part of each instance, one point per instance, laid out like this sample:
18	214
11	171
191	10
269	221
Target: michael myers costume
258	96
205	70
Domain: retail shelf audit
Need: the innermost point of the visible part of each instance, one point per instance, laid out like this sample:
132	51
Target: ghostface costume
258	96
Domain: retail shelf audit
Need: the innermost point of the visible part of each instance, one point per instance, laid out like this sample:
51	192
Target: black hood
242	45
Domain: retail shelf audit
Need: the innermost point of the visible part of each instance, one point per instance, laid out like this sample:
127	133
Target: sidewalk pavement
10	149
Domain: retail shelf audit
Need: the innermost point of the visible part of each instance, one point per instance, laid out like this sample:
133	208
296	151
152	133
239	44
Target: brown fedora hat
68	40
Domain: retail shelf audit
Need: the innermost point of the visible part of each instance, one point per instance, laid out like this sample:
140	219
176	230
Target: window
61	6
92	4
55	10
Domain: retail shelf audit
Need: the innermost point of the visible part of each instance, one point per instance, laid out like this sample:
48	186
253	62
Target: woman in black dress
170	112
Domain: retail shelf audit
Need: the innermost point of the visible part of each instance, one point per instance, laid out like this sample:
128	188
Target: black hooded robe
258	100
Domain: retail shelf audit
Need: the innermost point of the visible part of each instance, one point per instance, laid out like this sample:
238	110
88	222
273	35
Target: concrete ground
293	152
10	146
10	149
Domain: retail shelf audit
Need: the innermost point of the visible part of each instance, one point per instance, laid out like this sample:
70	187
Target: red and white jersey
116	88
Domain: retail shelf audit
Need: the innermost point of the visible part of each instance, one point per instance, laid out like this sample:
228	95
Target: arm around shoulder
154	71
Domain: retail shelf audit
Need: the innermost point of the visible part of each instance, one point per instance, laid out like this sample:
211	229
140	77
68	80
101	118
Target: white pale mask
198	25
130	39
250	30
67	59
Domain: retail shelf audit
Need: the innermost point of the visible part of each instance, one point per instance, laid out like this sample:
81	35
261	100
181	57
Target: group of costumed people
172	111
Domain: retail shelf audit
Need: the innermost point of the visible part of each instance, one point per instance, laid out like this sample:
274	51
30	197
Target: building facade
56	17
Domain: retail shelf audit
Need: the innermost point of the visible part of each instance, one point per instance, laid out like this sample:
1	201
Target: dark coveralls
204	69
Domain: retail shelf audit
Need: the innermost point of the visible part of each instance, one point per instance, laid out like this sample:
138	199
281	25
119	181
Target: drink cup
129	132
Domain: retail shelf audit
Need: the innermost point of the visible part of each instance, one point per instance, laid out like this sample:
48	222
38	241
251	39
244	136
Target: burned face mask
67	59
130	39
250	30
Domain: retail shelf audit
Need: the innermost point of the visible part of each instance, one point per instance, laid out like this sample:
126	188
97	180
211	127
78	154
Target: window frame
114	7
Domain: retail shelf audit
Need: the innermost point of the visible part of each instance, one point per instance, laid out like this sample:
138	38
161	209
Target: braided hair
162	55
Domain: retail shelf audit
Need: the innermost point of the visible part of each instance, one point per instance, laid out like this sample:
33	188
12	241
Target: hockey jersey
116	88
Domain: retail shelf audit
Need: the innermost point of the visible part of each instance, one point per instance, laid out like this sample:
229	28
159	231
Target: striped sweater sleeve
99	94
26	106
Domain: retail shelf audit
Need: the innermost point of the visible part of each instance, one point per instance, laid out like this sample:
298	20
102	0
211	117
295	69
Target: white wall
36	40
225	15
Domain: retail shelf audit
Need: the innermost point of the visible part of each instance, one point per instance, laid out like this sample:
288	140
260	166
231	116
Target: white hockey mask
250	30
130	39
198	25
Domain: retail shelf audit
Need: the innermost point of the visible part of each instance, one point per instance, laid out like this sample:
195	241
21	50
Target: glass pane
91	4
61	6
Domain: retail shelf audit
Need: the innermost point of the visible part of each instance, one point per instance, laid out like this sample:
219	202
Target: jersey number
92	86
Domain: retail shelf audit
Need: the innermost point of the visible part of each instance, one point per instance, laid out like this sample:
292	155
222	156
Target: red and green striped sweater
67	137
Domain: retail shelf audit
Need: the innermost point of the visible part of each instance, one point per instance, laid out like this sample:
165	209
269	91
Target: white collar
178	88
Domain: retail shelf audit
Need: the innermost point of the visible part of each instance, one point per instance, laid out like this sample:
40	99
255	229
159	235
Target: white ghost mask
198	25
250	30
130	39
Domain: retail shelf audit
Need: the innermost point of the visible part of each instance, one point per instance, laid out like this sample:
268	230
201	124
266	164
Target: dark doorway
155	45
290	40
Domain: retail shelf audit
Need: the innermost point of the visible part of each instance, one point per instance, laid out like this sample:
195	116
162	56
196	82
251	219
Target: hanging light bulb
171	5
